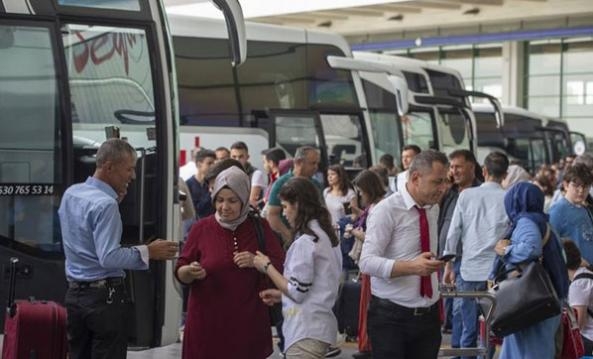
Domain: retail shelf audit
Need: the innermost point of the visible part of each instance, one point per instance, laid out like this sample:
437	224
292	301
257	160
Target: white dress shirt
479	221
402	179
393	234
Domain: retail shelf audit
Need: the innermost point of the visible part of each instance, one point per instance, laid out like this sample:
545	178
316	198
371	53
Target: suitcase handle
11	307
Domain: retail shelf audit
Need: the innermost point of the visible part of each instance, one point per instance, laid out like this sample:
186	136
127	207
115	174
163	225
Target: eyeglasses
579	186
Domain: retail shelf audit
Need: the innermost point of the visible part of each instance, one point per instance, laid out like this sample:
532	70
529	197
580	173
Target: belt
101	283
419	311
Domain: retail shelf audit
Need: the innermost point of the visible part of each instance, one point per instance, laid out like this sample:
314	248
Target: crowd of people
258	239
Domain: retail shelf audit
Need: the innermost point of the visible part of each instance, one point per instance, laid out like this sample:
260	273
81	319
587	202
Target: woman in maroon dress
225	316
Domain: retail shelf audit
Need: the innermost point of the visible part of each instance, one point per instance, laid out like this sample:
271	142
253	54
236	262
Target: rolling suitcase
33	328
347	313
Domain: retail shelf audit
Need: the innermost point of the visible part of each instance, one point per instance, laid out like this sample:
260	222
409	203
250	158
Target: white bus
285	94
72	72
437	108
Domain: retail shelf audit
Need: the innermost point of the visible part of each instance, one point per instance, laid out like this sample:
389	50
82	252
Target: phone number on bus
26	189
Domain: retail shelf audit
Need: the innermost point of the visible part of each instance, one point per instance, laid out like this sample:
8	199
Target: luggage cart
483	348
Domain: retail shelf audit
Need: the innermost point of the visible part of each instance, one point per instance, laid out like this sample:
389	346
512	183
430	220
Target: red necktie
425	281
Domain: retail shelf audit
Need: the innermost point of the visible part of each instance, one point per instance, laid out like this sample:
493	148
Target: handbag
522	300
572	347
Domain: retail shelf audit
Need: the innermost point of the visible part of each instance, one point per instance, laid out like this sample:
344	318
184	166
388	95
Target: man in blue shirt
200	192
95	261
479	221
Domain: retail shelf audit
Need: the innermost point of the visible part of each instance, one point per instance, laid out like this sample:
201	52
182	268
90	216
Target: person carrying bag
528	301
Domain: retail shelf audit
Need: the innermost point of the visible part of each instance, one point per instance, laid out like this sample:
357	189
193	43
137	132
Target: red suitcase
33	329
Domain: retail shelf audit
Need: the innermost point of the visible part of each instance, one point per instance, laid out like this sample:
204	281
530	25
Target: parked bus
527	137
73	73
285	94
438	113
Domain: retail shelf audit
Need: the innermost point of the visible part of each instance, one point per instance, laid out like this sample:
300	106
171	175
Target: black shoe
332	351
362	355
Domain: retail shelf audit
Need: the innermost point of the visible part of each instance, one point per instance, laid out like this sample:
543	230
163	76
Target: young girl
309	287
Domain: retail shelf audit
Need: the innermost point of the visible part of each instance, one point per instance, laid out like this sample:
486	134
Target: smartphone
446	257
347	208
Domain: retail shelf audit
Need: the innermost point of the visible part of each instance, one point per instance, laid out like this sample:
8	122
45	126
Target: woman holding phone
338	194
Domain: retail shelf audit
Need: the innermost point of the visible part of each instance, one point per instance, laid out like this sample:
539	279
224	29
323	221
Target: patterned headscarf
237	181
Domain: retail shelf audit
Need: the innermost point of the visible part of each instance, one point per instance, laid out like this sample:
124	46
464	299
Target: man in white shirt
408	154
240	152
398	254
479	221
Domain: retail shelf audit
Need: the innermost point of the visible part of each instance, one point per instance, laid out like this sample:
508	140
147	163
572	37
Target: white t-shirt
259	179
335	204
580	292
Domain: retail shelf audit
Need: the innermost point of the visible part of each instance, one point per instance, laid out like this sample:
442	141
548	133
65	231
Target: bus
437	111
285	95
527	137
73	73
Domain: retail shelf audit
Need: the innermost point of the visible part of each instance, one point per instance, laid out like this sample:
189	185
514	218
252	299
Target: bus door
454	122
557	143
419	127
346	139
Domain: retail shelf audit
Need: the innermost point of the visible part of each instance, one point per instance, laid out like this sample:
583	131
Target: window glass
104	4
110	82
205	82
343	137
417	130
544	85
385	134
459	59
544	105
30	150
488	62
293	132
453	131
544	59
328	86
577	57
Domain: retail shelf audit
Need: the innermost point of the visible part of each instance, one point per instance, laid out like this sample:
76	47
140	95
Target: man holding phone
399	255
479	221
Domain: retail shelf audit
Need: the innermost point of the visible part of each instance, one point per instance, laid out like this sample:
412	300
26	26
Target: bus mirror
233	15
400	90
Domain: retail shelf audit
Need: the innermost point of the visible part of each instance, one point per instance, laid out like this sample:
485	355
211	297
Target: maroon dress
225	316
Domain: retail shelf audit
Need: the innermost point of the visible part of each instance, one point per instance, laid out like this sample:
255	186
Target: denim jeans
469	313
456	324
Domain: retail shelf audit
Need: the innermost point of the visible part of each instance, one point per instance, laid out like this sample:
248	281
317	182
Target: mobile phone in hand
446	257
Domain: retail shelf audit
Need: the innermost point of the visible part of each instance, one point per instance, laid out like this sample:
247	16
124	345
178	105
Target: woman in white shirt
339	193
580	292
309	287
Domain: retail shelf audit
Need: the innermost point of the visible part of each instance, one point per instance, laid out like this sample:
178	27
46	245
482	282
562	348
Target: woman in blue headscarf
524	203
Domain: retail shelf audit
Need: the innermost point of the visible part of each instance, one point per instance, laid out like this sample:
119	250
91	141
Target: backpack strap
585	276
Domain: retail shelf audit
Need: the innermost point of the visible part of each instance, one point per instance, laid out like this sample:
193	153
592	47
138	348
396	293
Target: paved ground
174	351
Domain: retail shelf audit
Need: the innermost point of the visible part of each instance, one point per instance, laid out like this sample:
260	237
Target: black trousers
97	322
397	332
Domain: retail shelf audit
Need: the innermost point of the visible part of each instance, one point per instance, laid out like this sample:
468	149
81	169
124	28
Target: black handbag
522	300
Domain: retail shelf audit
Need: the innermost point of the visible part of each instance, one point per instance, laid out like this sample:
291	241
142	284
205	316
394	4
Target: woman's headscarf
515	174
237	181
525	199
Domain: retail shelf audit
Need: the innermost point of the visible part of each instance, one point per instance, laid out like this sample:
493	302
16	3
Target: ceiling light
325	24
398	17
472	11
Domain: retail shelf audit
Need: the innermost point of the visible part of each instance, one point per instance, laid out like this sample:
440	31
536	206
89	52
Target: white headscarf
237	181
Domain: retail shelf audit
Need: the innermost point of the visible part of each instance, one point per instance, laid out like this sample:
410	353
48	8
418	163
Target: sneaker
332	351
